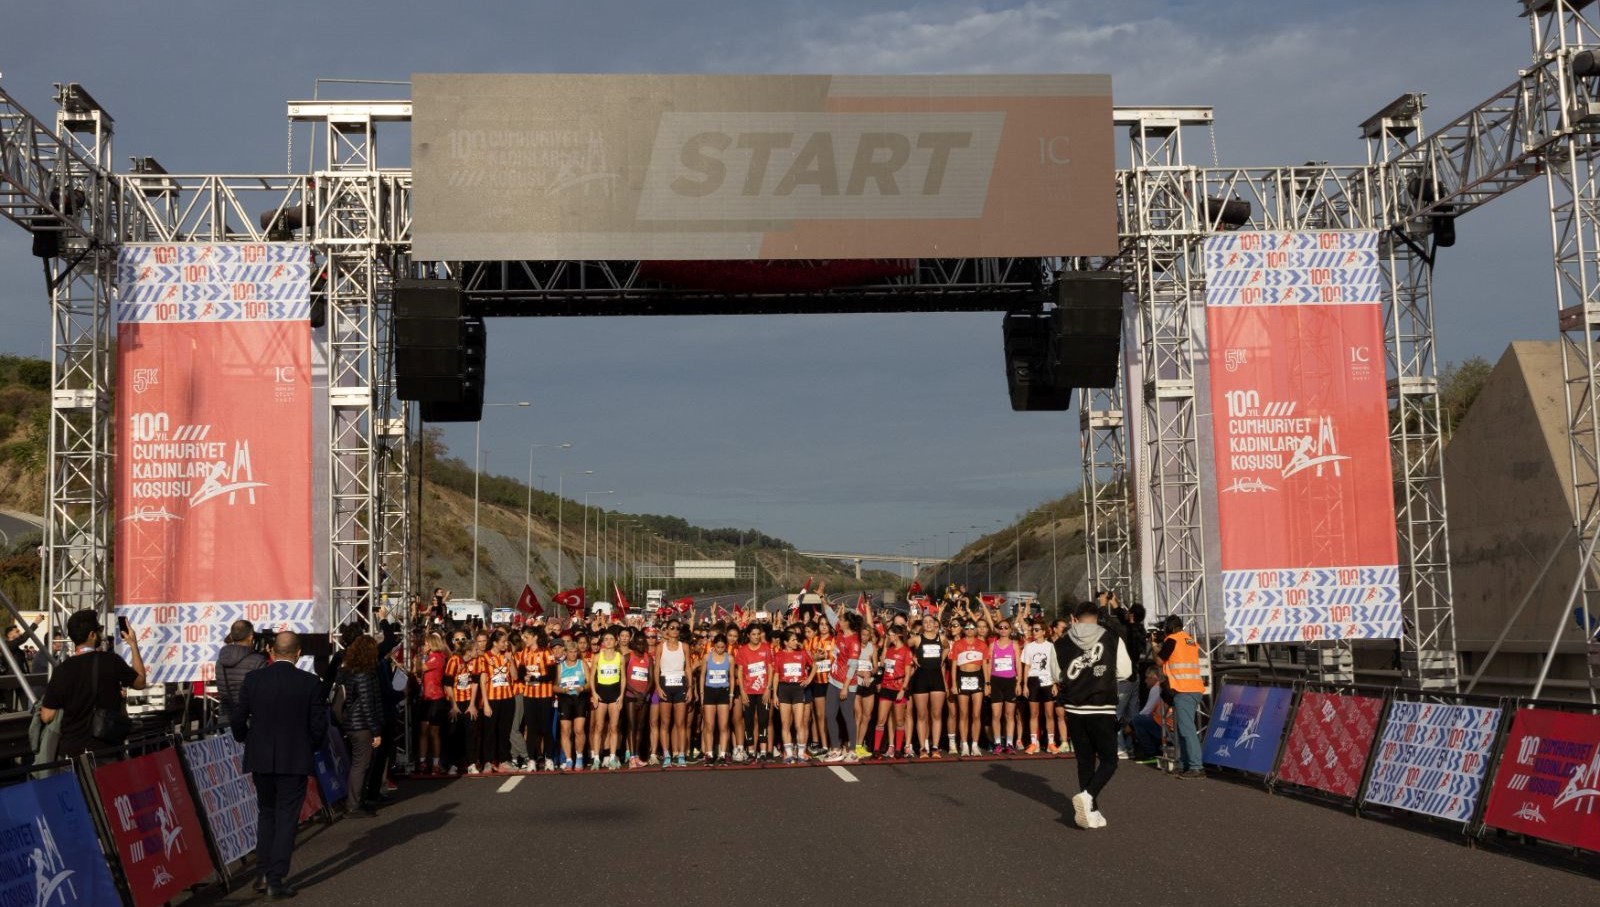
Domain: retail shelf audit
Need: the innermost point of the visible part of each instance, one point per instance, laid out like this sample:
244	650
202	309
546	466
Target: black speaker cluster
1077	344
439	351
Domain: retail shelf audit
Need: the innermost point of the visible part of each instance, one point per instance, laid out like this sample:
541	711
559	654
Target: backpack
336	701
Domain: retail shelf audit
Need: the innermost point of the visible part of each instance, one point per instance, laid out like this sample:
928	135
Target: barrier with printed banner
1330	741
1432	758
1548	782
1305	503
159	840
332	763
1245	729
49	851
214	448
227	793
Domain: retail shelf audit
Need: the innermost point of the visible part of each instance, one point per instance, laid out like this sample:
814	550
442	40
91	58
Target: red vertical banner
1305	496
214	448
1548	782
1330	741
158	835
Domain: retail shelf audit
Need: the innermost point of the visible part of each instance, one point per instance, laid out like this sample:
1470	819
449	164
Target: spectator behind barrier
89	681
237	658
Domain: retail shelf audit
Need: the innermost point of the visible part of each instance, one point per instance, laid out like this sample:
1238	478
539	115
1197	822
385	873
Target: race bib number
610	674
1003	663
463	682
717	677
640	674
931	650
672	680
824	665
500	677
969	684
791	671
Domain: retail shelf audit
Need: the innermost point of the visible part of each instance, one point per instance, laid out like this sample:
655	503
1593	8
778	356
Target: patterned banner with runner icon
1245	730
1330	741
214	448
1548	783
49	853
160	842
1305	499
1432	758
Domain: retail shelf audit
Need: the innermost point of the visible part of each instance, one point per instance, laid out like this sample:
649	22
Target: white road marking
511	783
844	774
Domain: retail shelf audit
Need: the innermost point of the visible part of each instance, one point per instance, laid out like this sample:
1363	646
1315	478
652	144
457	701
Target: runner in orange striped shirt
539	695
461	672
497	680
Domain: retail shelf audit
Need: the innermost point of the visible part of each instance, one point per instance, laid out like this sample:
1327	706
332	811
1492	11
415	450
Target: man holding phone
92	679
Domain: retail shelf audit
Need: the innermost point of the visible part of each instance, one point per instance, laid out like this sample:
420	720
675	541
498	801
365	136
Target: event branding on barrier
1432	758
49	852
158	835
1305	498
1329	742
1245	730
214	447
332	763
1548	783
227	793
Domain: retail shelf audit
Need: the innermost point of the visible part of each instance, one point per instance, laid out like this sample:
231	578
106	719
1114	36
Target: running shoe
635	762
925	752
452	772
681	763
833	756
910	753
1123	754
937	754
788	760
1081	801
862	752
851	758
578	765
566	765
654	759
1033	749
1096	820
473	770
1052	749
549	765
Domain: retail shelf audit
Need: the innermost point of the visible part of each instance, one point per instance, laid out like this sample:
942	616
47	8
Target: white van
461	609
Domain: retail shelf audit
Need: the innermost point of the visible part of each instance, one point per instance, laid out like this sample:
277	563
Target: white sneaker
549	765
1081	802
1096	820
473	770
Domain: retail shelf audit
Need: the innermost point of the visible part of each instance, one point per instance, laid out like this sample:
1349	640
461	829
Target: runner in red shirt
793	667
969	657
435	704
898	661
755	693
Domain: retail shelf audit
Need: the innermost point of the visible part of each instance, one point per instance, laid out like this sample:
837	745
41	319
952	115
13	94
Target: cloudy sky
852	432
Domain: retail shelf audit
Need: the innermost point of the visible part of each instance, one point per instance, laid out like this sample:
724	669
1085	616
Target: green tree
1459	387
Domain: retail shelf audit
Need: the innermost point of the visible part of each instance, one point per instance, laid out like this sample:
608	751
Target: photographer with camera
86	689
240	654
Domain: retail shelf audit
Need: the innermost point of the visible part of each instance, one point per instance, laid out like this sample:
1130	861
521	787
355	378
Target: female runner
1002	690
819	642
927	684
435	703
716	680
572	704
970	659
793	667
641	680
1040	672
866	698
755	672
672	684
605	681
461	669
892	697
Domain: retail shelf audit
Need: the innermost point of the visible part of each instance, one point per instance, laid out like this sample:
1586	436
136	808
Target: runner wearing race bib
893	700
1003	656
641	678
970	659
716	682
572	704
755	668
672	684
793	667
605	677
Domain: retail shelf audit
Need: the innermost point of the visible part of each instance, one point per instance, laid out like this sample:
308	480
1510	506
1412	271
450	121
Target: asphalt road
15	528
953	832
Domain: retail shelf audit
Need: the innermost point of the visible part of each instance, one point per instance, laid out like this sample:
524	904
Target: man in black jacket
282	719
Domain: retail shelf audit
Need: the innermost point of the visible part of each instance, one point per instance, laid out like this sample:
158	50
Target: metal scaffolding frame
58	182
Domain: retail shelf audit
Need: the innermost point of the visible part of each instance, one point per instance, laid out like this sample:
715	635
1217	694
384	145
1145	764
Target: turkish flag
572	599
684	604
915	588
528	603
622	600
861	605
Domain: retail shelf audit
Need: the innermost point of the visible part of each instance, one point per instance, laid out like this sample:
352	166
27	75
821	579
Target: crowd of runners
820	682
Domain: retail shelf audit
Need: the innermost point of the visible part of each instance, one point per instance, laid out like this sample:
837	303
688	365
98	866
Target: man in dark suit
281	718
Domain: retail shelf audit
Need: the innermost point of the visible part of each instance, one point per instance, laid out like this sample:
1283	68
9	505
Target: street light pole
561	508
583	562
527	518
477	471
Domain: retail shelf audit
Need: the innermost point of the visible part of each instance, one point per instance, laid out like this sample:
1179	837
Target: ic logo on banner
283	378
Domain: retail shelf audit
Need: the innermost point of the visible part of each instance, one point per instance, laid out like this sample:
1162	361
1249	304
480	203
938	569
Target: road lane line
511	783
844	774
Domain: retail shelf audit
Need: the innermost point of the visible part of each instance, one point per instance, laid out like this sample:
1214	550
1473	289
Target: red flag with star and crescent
528	603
